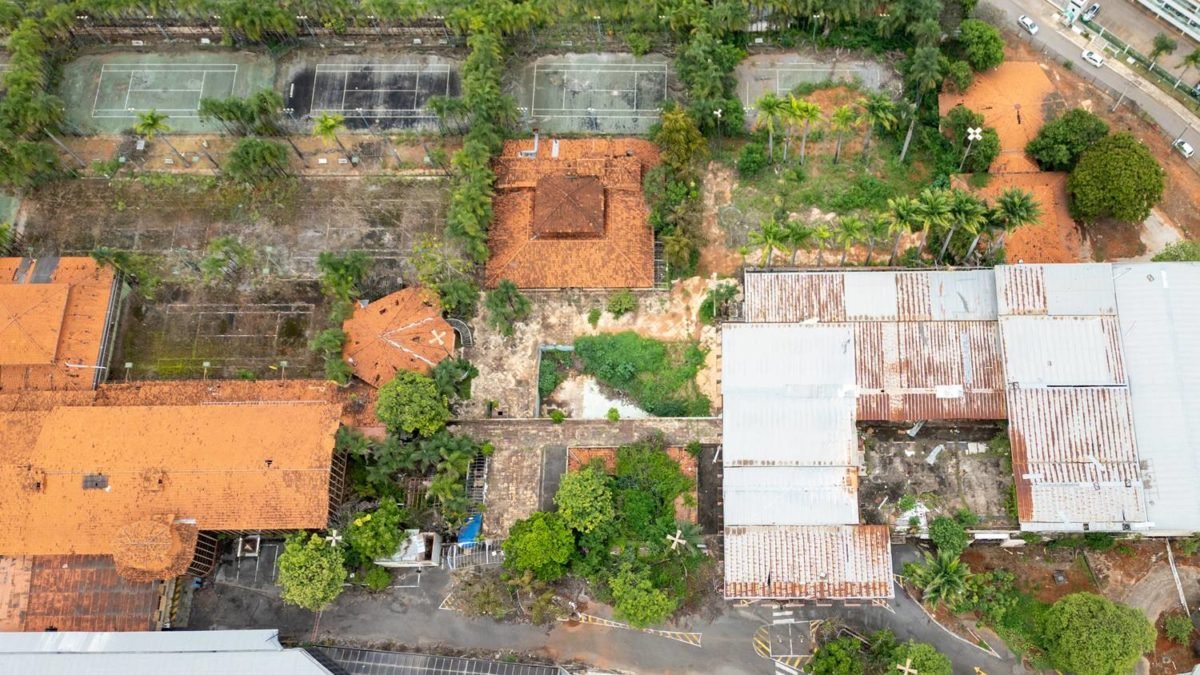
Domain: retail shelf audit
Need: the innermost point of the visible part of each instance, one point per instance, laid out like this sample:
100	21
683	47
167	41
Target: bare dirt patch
1034	567
719	254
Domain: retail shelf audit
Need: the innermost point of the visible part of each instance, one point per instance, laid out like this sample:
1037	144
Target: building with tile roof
57	322
75	593
401	331
572	214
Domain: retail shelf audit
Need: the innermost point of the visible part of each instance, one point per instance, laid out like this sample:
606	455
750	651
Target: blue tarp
470	532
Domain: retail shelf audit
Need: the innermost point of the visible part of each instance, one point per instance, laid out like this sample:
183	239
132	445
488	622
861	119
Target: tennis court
780	74
382	90
106	92
595	93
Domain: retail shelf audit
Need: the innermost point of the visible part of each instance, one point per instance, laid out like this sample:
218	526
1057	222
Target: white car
1091	12
1028	24
1184	148
1093	58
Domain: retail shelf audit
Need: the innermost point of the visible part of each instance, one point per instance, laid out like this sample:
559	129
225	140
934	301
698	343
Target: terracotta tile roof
402	331
53	312
808	562
74	593
574	220
75	474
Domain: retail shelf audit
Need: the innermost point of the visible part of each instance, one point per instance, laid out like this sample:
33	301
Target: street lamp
717	113
815	19
973	134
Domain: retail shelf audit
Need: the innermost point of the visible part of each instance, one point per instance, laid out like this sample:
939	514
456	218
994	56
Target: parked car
1093	58
1091	12
1028	24
1184	148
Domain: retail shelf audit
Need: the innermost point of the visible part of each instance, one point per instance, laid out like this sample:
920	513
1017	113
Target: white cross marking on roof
439	337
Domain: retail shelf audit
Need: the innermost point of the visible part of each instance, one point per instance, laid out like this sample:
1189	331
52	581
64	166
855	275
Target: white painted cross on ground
676	539
907	668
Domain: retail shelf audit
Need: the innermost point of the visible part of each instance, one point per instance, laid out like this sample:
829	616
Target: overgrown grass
660	377
554	368
1021	628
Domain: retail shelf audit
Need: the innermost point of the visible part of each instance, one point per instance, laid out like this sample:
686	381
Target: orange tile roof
531	249
401	331
53	318
221	466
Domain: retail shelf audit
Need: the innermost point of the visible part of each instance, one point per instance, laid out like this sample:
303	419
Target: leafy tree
255	161
584	499
1180	251
941	578
541	543
984	151
1059	143
453	377
959	74
981	44
636	600
921	658
680	141
506	306
1088	633
376	534
411	403
1116	177
311	572
842	656
948	535
1163	44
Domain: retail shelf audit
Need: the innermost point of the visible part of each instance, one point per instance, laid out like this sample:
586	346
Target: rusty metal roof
1062	350
808	561
1056	290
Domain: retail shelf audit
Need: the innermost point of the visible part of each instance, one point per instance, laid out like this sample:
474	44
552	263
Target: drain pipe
1178	583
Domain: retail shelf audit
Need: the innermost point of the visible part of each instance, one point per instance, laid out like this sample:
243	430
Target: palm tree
770	110
803	111
842	120
933	212
677	248
798	235
1162	45
877	226
850	232
326	127
1190	61
877	111
152	123
924	74
1012	209
903	218
967	213
769	236
941	578
822	234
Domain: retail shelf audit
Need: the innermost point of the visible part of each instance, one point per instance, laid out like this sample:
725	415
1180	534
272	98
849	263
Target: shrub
411	403
557	416
1180	251
584	500
636	600
377	578
752	160
1188	546
614	415
708	307
1099	541
948	535
542	544
907	502
842	656
311	572
553	371
1088	633
981	44
376	534
593	316
638	43
622	302
506	306
1178	627
659	377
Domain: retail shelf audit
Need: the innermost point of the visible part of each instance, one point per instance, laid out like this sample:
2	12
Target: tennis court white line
168	67
648	67
381	67
134	69
649	114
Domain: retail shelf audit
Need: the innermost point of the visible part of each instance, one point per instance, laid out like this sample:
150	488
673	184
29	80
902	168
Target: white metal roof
144	641
771	495
1062	351
1158	305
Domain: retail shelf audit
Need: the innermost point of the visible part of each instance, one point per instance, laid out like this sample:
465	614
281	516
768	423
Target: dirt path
717	256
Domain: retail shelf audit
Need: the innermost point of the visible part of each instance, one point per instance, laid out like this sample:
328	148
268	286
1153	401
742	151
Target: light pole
1128	84
717	114
596	18
973	134
372	128
815	19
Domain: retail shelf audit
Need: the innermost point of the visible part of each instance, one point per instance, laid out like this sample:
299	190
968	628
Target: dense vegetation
659	377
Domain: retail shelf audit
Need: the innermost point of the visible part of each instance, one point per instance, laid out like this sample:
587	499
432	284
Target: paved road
1137	25
1114	76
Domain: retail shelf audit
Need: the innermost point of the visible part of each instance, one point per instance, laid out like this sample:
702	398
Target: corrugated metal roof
1062	351
819	562
1068	437
871	297
1158	305
1055	290
791	495
75	642
1066	507
793	297
929	370
373	662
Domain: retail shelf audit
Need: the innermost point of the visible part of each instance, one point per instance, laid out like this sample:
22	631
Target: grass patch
660	377
555	366
1021	628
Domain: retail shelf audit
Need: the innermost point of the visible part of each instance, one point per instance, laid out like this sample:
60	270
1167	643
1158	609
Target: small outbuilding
401	331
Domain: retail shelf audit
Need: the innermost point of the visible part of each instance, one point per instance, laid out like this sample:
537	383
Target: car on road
1091	12
1028	24
1093	58
1184	148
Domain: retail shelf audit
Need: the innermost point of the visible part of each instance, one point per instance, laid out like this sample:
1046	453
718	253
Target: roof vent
34	480
95	481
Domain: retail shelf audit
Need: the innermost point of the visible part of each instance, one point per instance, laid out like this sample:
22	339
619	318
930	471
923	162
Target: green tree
453	377
153	123
941	578
341	273
803	112
842	120
947	535
376	534
822	234
983	151
903	218
796	235
920	658
1012	209
769	236
1116	177
311	572
1192	60
255	161
968	214
877	111
1162	45
842	656
584	499
851	230
326	127
770	113
506	306
411	403
959	74
636	600
923	74
1059	143
877	226
981	44
542	544
680	141
1088	633
932	210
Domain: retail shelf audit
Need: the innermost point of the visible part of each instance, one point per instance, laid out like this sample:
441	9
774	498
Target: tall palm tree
798	235
877	111
967	213
677	248
326	127
850	231
770	109
1163	44
769	236
876	227
924	74
152	123
805	112
903	218
933	212
941	578
1012	209
842	120
822	234
1192	60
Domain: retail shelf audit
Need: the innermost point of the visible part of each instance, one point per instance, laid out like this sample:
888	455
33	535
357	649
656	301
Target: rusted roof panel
794	297
1069	443
1062	350
1056	290
808	562
1020	289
